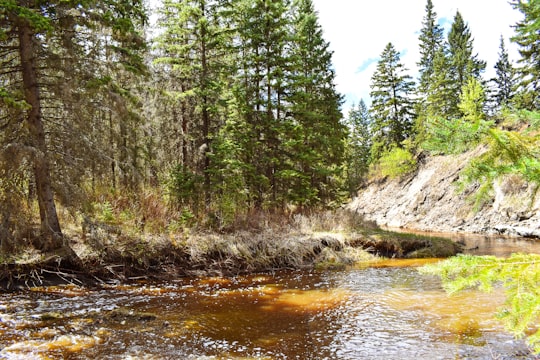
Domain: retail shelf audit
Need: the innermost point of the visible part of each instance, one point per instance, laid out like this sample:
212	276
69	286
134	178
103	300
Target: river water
387	311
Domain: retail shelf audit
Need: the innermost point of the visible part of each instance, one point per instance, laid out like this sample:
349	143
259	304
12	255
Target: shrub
453	136
184	187
395	163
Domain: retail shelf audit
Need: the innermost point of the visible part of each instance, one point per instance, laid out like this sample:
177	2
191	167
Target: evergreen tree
48	46
442	99
359	144
392	106
431	40
504	80
194	53
315	109
463	64
528	38
263	35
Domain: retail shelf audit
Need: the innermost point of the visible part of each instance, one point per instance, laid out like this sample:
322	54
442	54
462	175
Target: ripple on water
372	313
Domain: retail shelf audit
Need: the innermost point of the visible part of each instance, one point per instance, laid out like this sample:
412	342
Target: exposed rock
430	201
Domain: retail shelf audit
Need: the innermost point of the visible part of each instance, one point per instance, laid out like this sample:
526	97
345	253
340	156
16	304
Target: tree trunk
205	113
51	234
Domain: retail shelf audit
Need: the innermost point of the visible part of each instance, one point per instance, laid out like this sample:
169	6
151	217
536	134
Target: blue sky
358	31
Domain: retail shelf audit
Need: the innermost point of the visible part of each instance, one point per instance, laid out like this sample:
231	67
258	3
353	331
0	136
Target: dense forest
227	108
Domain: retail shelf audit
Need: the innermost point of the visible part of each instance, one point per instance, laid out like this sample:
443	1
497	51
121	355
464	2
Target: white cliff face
429	201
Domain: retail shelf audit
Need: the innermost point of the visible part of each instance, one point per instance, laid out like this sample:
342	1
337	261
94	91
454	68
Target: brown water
385	312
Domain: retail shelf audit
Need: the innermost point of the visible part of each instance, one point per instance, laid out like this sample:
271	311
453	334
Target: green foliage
392	107
463	64
314	141
440	101
37	21
472	102
529	48
431	40
358	146
509	152
395	163
12	101
451	68
105	212
504	80
519	275
453	136
230	198
184	187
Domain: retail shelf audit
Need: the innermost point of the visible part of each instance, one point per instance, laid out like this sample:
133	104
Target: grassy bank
264	243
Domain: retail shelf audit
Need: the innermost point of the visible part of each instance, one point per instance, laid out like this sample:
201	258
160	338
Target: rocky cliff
429	200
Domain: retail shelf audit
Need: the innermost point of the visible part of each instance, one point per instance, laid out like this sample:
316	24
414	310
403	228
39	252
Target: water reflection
497	245
385	311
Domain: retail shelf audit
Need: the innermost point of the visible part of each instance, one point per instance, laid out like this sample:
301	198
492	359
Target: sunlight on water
66	343
309	300
461	313
383	263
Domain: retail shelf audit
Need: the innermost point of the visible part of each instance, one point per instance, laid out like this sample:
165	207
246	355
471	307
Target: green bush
453	136
449	136
184	187
396	162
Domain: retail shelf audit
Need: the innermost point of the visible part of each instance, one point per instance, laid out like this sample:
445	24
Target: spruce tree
431	40
392	105
359	142
440	101
315	110
194	54
49	48
463	64
504	78
527	37
263	36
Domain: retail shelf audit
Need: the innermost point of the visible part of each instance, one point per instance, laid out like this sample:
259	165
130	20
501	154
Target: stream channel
385	311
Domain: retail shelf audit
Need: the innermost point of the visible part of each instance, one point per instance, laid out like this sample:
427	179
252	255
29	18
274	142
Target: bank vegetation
205	145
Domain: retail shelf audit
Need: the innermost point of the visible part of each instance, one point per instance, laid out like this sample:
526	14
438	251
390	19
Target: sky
359	30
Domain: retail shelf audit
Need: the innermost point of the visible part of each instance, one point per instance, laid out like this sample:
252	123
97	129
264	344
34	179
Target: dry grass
128	236
321	240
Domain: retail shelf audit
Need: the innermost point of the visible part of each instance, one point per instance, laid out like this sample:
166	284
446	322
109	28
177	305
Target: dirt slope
429	200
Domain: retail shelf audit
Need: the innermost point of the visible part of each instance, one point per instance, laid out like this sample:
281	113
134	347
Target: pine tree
431	40
528	39
317	144
194	54
48	46
504	80
392	106
263	35
463	64
441	101
359	144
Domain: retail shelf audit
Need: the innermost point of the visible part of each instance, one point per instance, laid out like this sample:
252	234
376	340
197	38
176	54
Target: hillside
429	200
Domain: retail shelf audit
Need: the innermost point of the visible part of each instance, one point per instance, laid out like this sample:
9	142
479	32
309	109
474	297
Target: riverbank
324	240
430	200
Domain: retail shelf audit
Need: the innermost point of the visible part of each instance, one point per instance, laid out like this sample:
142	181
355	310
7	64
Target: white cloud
358	31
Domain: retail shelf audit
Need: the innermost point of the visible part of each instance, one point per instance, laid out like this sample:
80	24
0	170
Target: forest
225	110
129	146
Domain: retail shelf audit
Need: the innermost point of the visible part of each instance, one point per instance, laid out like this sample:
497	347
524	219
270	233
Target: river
387	311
